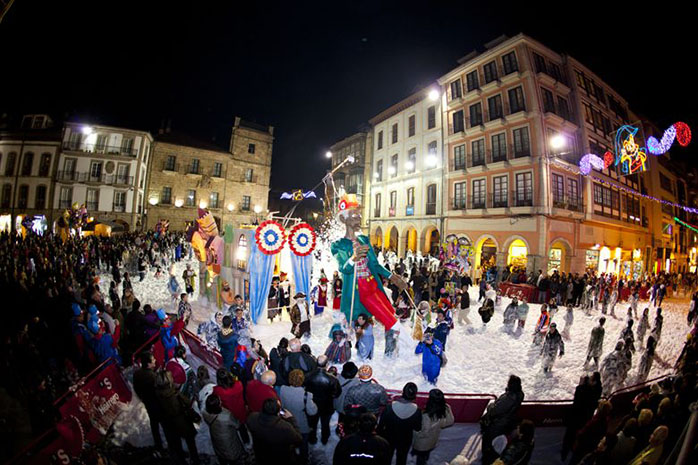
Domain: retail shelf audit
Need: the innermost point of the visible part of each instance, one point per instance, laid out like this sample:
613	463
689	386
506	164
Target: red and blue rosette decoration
270	237
302	239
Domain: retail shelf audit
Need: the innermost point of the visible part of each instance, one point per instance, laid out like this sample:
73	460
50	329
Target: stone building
353	178
186	174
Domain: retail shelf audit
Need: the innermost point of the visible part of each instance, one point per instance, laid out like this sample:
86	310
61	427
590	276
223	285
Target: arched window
27	164
242	253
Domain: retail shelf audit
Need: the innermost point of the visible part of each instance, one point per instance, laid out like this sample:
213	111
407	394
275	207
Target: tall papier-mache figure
362	290
207	243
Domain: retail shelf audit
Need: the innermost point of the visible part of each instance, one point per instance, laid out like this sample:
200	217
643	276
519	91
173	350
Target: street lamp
558	142
257	209
409	166
153	201
179	203
230	207
328	154
433	95
87	130
431	161
391	170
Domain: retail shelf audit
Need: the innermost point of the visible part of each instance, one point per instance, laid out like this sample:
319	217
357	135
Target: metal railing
499	155
76	146
469	123
522	198
569	203
499	199
92	206
459	203
431	208
118	208
77	176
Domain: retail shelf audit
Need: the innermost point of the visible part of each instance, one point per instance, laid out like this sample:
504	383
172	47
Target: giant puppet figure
361	272
207	243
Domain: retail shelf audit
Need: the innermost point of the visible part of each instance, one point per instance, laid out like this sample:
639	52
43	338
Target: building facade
353	178
28	160
104	168
186	174
405	205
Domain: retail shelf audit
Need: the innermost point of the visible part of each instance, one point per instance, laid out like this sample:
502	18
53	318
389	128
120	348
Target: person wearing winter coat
300	403
173	287
627	334
569	320
227	342
276	357
658	323
188	276
144	386
500	417
230	392
522	313
611	369
510	315
577	415
103	345
296	359
552	345
647	358
165	346
347	379
399	421
368	392
259	390
595	348
363	328
275	434
176	417
542	325
437	416
626	442
442	328
300	316
208	330
634	301
518	451
432	356
151	322
223	428
325	389
486	311
363	446
651	454
339	349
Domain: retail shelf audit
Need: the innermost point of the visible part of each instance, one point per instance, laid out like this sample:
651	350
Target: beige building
186	174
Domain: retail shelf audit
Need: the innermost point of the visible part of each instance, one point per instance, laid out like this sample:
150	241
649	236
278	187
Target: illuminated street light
203	204
179	203
433	95
328	154
376	175
409	166
230	207
431	161
153	201
391	170
557	141
87	130
257	209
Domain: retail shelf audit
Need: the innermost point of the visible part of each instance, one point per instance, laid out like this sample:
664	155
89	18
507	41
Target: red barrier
546	412
528	291
466	408
144	346
207	355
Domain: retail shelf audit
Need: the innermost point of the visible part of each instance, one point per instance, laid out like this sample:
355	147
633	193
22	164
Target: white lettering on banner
62	457
365	456
107	383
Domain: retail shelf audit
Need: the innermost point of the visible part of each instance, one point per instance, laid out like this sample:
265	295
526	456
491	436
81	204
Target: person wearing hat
319	296
432	352
368	392
552	344
300	316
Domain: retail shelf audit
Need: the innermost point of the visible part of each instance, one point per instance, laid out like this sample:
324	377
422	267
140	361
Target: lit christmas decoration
692	228
679	131
608	159
590	161
629	154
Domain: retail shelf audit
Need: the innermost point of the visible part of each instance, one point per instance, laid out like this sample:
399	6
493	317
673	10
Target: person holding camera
433	357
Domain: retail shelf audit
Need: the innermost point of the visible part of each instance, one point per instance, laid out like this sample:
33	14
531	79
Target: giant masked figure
359	267
207	243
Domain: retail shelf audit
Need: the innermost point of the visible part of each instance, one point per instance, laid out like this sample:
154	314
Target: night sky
315	71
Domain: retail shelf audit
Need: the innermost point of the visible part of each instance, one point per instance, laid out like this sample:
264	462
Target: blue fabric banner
302	271
261	270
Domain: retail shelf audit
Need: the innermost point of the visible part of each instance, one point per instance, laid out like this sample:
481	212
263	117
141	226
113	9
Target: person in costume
336	291
274	299
319	296
339	350
363	327
300	316
362	290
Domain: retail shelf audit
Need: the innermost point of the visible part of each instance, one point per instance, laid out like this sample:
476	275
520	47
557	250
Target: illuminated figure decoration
207	243
161	227
629	154
679	131
298	195
456	252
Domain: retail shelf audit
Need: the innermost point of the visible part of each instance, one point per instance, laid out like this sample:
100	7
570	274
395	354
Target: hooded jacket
398	421
426	438
224	438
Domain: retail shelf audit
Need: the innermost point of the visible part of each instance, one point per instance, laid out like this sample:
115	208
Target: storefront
518	254
37	223
631	264
606	260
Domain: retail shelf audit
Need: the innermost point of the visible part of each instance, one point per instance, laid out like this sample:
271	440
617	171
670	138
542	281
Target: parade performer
319	296
300	316
362	291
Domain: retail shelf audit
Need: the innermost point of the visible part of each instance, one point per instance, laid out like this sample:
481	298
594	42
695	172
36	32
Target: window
554	71
101	144
475	114
667	208
478	152
516	100
495	106
490	71
166	197
459	157
539	63
122	171
563	108
478	196
632	208
458	121
27	163
119	201
431	199
127	146
456	91
92	200
10	164
573	198
249	175
411	161
379	171
45	165
191	198
431	148
380	140
606	201
170	163
246	200
473	82
213	200
411	125
409	208
242	252
499	147
500	185
393	203
431	117
524	189
250	148
522	146
6	195
217	170
548	101
666	183
23	196
65	199
40	199
509	63
194	167
96	171
393	134
558	189
393	166
459	196
377	206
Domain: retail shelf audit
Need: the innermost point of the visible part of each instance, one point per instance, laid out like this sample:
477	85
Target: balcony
499	199
75	146
194	170
478	202
92	206
459	203
496	156
119	208
431	208
254	179
508	113
89	178
522	198
170	167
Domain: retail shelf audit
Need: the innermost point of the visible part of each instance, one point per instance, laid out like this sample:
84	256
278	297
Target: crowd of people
271	407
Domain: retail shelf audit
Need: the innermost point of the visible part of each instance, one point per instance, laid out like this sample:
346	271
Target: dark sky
315	71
